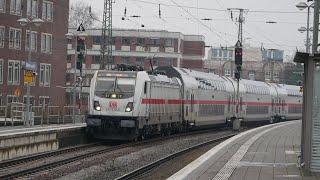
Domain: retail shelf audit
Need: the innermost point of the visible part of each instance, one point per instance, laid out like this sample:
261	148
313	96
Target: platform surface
269	152
18	130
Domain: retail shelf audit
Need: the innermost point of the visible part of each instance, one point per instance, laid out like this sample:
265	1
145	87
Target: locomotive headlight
113	95
129	107
96	105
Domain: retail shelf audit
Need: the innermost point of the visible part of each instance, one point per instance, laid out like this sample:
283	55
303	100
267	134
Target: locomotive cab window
115	87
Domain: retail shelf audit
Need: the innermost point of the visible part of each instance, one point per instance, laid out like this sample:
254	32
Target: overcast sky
221	31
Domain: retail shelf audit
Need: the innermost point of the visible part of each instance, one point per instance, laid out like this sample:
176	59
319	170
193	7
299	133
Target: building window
155	62
267	75
125	41
227	72
14	38
2	5
69	58
276	76
215	53
47	10
140	61
125	60
97	40
44	100
230	54
13	72
2	36
32	8
33	40
96	59
168	62
251	75
45	75
155	42
140	41
1	71
15	7
225	54
46	43
168	42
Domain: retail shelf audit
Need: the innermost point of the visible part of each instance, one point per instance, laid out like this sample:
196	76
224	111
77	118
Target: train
133	105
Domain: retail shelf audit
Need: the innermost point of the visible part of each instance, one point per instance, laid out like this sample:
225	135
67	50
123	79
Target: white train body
128	105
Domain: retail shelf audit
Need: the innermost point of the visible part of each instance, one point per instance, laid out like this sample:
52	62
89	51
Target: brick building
48	46
136	47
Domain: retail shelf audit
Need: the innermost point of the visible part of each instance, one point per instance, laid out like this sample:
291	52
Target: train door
192	108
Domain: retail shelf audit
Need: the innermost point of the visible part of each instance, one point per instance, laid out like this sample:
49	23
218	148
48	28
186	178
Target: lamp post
301	6
29	22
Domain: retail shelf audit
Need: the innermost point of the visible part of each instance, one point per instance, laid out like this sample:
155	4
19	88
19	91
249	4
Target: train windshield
115	87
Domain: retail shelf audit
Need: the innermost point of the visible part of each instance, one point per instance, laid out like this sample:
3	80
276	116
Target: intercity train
128	105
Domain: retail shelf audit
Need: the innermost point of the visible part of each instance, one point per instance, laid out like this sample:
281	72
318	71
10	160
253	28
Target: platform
18	141
268	152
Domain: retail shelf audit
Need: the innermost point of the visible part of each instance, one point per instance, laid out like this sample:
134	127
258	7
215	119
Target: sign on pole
28	77
81	28
30	66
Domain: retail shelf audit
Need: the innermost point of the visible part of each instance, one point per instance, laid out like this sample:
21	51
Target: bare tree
81	13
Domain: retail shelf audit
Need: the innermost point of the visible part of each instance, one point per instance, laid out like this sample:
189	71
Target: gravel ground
120	162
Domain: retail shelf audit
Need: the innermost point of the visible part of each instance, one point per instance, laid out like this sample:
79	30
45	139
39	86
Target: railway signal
238	54
80	50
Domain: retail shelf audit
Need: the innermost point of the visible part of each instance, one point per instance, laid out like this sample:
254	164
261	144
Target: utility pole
240	20
106	36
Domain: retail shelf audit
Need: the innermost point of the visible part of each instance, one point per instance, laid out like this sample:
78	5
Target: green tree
293	74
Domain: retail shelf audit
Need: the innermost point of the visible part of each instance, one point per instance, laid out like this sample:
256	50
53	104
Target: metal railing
53	114
17	113
14	114
3	114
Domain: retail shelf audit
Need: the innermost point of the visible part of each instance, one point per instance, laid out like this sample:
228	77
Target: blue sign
31	66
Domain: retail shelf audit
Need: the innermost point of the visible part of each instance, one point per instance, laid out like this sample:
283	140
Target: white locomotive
126	105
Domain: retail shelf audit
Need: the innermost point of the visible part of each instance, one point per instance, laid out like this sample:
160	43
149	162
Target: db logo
113	105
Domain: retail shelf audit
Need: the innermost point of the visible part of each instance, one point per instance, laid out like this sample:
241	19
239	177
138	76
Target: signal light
238	56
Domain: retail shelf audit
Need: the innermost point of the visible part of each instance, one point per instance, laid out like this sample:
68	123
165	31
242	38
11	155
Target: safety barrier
3	114
53	114
68	112
39	113
17	113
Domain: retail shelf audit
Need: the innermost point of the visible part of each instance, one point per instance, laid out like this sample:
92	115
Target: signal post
238	63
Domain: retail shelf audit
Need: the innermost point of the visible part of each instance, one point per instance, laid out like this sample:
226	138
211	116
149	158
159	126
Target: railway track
20	172
145	169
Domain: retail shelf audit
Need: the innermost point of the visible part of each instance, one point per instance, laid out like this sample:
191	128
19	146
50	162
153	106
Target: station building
135	47
48	47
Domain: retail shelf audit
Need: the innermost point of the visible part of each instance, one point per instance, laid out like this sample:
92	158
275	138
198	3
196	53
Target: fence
14	114
17	113
3	114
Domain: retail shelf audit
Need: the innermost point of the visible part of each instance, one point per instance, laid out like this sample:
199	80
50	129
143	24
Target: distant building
269	71
227	54
272	55
137	47
48	50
